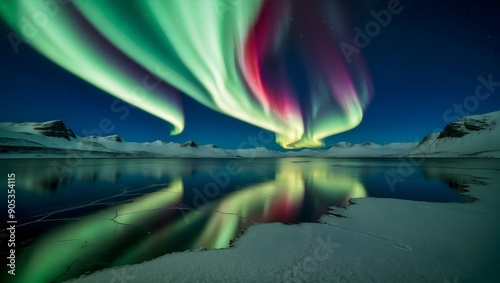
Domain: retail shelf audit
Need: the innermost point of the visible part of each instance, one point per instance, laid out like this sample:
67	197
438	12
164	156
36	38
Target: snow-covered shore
377	240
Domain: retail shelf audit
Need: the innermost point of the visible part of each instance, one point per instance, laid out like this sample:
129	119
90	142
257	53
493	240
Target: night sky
425	61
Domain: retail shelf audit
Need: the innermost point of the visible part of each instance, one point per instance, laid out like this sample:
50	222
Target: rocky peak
341	145
464	126
115	138
54	128
189	143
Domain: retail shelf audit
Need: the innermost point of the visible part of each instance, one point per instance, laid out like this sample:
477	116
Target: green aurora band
231	56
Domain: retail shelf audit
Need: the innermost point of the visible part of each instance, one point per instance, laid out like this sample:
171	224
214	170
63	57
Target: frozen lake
78	216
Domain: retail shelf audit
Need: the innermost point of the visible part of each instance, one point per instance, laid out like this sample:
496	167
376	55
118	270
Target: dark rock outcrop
341	145
71	134
463	127
115	138
189	144
55	129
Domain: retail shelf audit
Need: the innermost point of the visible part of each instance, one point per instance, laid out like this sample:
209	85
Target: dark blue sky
425	61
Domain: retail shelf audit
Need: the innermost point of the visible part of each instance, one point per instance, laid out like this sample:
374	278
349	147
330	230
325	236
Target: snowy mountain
472	136
189	144
55	128
368	149
341	145
52	139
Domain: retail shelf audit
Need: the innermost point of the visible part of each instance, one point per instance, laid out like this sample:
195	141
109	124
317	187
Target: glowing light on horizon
273	64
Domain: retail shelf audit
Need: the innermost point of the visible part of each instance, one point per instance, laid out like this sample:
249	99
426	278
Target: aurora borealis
230	56
251	83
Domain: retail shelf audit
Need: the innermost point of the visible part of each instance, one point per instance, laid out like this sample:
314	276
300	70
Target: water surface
78	216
